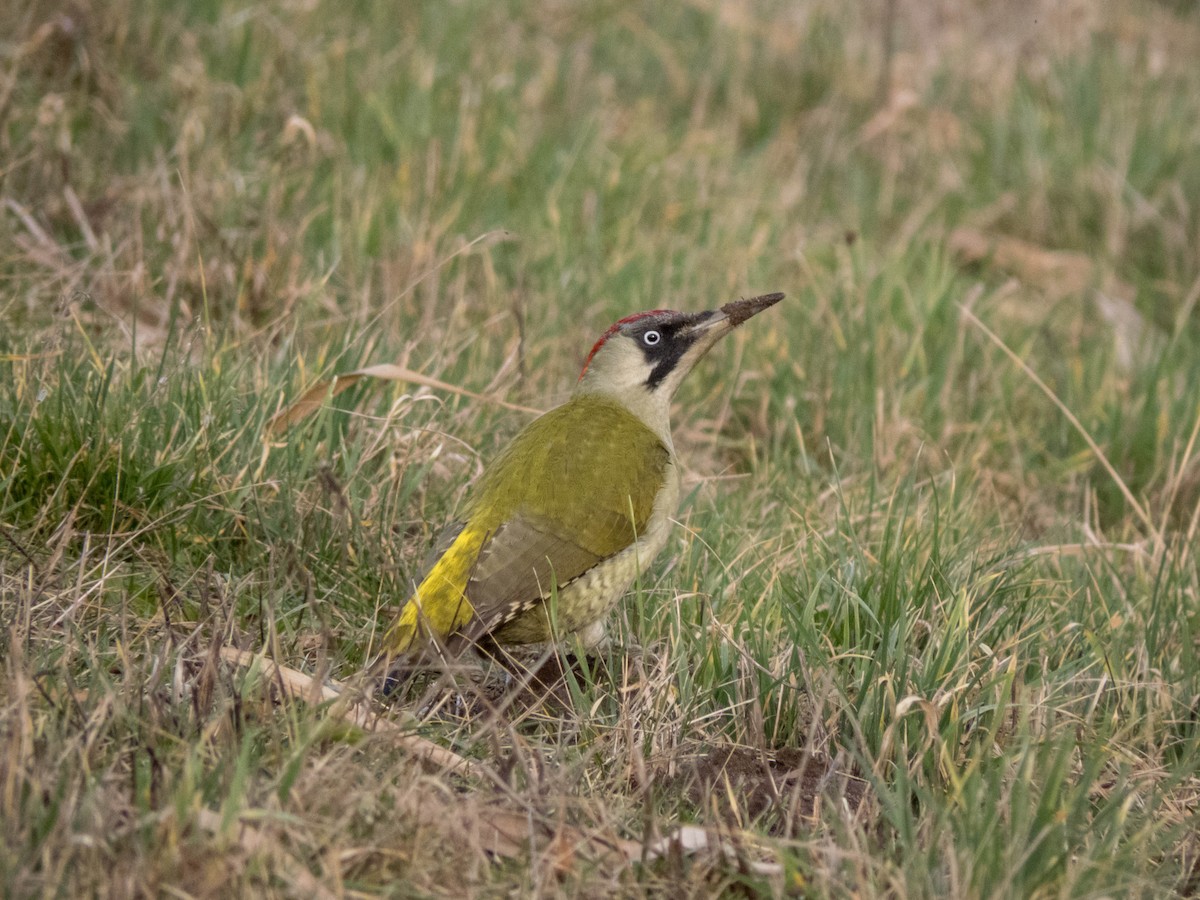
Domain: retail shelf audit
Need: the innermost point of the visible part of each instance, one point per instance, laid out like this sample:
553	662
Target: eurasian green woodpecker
578	504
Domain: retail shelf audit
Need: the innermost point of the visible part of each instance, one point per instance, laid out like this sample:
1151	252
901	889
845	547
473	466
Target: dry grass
928	623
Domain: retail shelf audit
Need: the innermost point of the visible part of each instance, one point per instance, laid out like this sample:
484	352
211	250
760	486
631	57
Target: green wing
576	487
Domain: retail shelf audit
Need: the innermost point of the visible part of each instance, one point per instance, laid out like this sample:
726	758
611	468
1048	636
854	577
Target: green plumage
575	488
578	504
589	466
572	490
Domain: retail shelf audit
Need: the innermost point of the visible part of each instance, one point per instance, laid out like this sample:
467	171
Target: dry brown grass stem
349	710
1134	504
314	398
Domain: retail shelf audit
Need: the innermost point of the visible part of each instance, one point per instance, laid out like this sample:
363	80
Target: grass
939	538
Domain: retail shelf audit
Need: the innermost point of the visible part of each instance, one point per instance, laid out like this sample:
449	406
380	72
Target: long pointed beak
718	323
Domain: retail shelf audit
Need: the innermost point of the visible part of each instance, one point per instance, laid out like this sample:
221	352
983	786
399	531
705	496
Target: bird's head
642	359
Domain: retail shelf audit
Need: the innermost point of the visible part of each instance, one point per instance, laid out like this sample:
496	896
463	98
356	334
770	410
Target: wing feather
586	506
544	513
524	562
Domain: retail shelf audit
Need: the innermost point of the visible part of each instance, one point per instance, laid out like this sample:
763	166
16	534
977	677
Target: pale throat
621	371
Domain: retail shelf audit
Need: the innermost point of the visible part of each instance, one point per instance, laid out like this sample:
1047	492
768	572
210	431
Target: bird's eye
650	338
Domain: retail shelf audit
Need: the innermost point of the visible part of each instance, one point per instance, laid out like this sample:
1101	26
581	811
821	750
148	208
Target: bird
575	507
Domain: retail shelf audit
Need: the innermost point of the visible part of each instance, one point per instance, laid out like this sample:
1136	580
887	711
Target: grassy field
929	624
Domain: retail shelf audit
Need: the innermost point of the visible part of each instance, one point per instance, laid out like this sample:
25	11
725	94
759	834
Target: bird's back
574	489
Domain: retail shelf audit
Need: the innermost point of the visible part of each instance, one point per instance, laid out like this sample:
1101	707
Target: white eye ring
650	338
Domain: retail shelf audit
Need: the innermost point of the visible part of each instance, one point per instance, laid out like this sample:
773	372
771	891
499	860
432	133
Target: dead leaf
1056	272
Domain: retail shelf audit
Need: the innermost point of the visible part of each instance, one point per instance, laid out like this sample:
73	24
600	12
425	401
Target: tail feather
439	606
